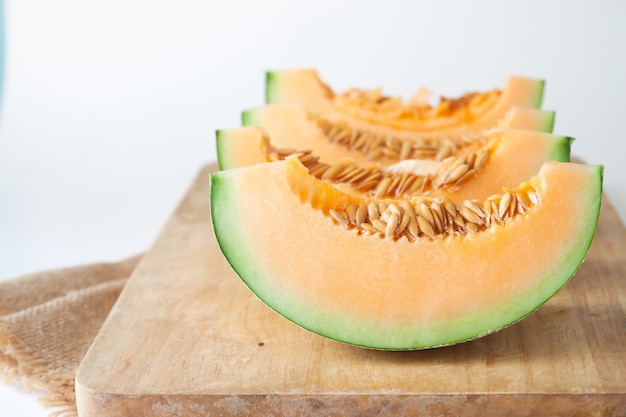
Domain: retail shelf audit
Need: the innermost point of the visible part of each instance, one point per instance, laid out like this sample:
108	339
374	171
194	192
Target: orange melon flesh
291	127
304	87
515	156
272	224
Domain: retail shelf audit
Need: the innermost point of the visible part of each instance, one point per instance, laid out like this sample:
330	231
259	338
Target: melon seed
392	223
361	215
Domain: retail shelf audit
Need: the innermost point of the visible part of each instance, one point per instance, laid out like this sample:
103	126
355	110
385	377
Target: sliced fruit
357	271
469	113
502	157
291	126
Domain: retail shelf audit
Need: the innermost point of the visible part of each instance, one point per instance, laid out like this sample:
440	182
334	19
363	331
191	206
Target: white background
110	107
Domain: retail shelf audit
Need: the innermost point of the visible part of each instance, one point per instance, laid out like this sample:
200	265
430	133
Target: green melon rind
252	117
223	150
547	123
272	87
232	241
560	150
538	96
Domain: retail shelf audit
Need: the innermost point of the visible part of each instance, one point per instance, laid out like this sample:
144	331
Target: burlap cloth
48	320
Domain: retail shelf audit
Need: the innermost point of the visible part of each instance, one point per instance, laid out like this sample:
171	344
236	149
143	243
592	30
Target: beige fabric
48	320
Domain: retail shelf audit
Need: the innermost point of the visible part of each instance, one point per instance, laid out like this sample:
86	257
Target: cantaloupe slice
291	126
304	249
471	112
502	157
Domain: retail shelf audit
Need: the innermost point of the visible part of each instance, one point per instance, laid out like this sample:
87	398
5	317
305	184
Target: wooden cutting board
187	338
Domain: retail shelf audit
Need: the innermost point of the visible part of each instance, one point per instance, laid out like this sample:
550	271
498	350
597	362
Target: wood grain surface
187	338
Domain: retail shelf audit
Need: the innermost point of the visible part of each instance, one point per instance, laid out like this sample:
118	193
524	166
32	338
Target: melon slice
291	126
502	157
471	112
304	249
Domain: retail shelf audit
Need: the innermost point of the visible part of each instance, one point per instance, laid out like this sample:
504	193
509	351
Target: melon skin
353	289
272	87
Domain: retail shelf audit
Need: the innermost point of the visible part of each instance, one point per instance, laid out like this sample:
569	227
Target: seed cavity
397	148
371	104
380	182
432	218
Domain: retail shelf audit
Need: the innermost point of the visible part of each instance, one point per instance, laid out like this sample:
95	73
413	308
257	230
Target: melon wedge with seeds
468	113
291	126
296	243
510	156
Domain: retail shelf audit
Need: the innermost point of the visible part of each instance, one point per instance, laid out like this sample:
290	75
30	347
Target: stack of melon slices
401	225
